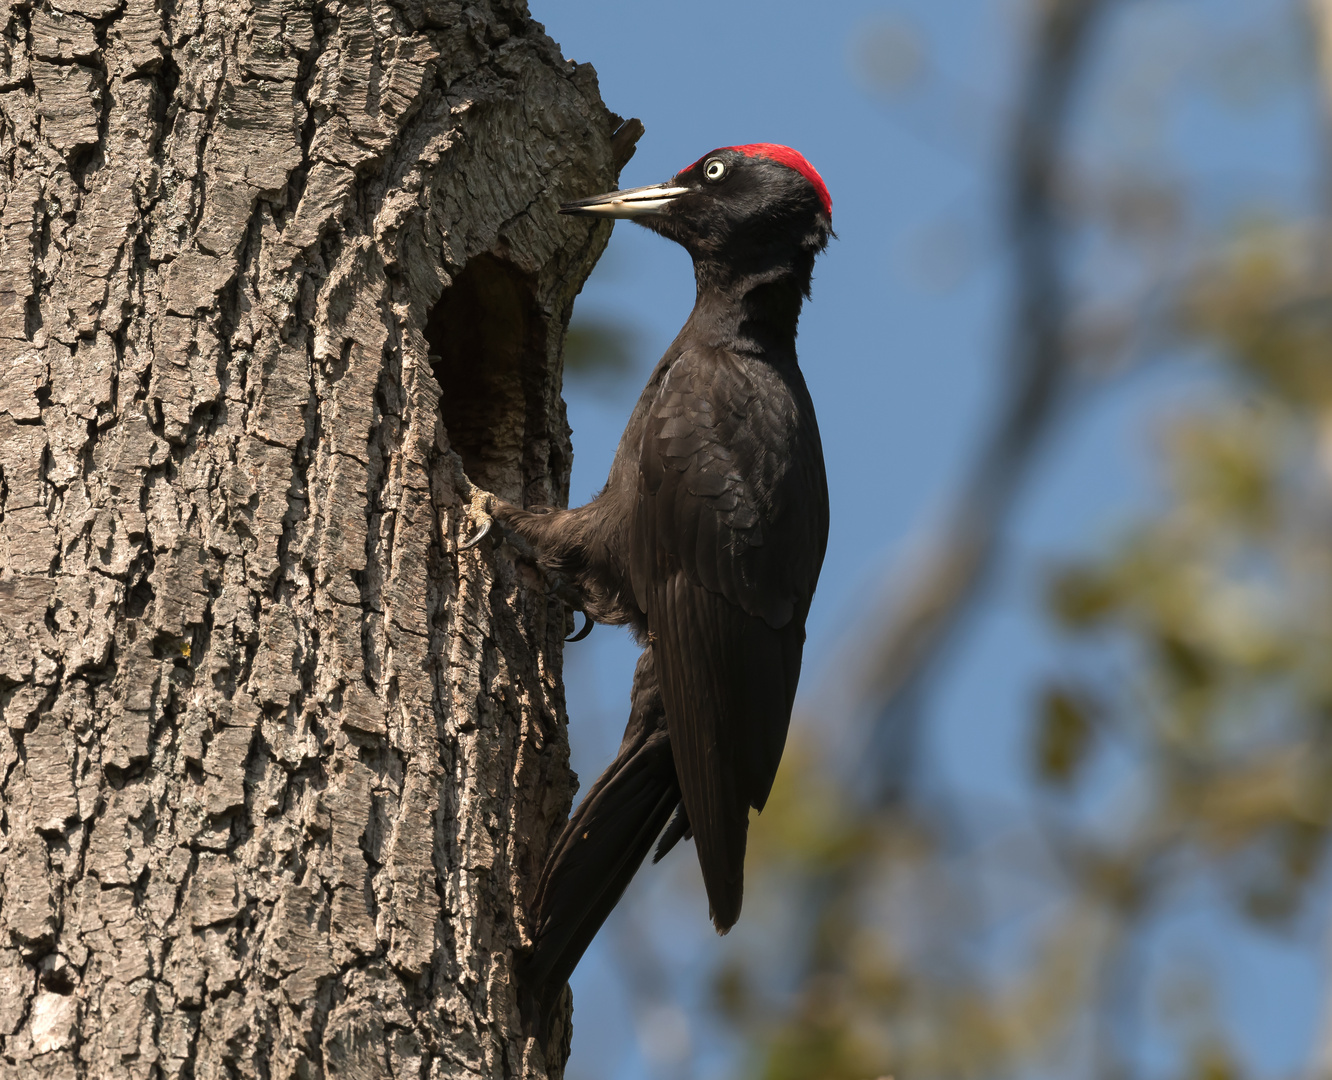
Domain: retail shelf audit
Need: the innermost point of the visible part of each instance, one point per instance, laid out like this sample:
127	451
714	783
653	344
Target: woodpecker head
748	207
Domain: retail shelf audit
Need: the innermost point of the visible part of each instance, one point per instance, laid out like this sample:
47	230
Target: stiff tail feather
597	855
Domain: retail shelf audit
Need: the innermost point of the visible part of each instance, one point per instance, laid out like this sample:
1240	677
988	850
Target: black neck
753	310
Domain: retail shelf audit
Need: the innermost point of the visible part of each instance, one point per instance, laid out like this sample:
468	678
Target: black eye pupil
714	170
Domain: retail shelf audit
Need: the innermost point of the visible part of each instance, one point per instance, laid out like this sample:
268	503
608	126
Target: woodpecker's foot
481	508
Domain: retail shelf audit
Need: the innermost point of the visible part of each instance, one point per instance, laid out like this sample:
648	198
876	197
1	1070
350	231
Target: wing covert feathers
727	681
726	547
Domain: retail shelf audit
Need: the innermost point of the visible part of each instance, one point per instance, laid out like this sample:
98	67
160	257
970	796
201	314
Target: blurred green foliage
1187	744
1063	735
600	354
1184	750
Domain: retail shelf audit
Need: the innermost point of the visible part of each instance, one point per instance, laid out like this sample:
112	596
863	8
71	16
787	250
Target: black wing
726	546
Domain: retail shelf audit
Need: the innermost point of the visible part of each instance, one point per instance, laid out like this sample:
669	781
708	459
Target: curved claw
478	537
587	629
481	507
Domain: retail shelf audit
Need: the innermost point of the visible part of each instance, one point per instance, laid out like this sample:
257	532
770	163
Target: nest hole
487	343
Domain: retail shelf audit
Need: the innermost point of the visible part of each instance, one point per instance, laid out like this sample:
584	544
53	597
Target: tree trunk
280	763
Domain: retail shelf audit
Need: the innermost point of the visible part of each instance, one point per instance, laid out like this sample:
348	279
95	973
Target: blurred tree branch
1202	684
1320	17
1039	366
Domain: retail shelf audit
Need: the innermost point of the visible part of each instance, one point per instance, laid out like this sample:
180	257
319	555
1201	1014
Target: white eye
715	169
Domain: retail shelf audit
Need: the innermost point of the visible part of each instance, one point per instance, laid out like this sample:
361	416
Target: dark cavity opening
487	343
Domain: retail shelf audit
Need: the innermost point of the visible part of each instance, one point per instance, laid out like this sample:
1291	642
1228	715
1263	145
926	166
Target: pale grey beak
631	203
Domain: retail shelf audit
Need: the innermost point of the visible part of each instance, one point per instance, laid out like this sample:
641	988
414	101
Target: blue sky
902	348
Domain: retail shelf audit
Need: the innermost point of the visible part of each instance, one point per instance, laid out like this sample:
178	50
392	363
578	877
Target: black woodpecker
706	541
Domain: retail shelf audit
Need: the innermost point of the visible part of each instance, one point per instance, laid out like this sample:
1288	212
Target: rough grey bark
279	762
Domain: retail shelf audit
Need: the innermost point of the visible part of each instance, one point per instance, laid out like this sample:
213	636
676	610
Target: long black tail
603	846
